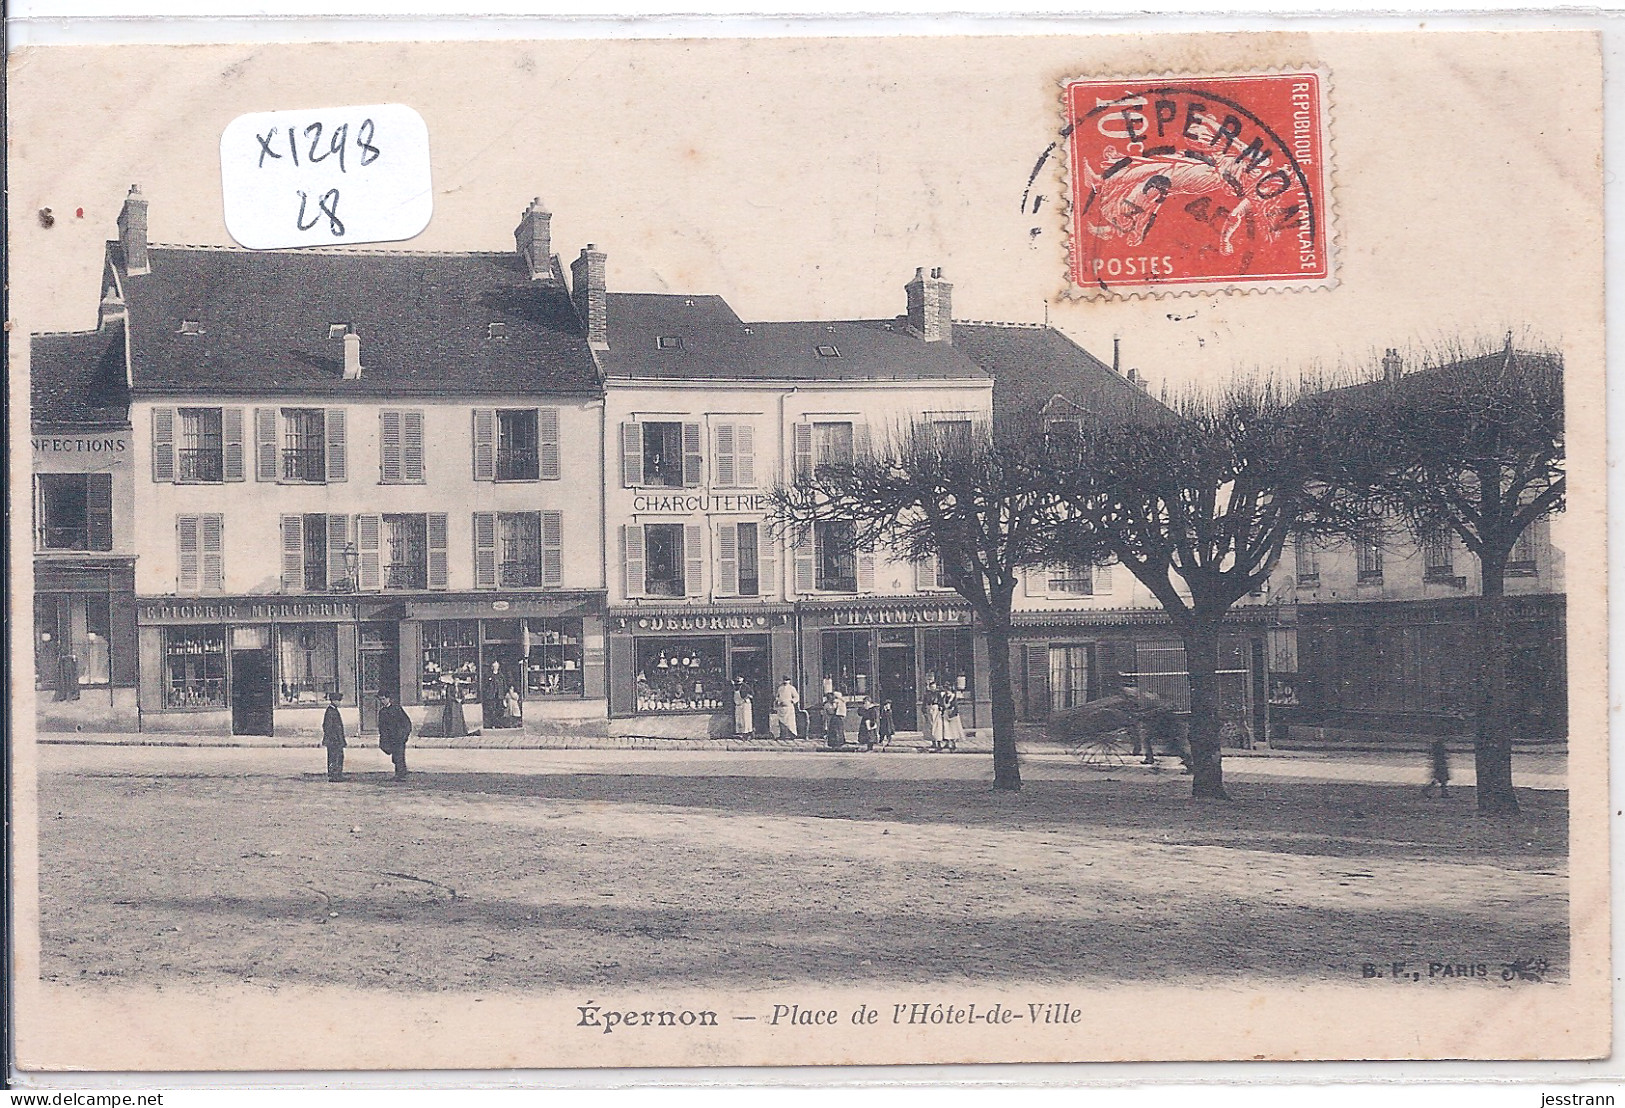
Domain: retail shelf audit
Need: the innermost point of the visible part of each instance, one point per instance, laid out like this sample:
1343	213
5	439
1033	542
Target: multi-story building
84	535
704	414
357	472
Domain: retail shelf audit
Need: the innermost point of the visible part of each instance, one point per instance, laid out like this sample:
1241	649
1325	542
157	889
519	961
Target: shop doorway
751	660
897	683
253	681
380	668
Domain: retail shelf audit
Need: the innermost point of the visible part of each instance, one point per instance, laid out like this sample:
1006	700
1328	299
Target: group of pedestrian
939	712
394	728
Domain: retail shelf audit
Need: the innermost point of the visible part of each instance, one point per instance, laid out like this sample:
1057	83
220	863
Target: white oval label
326	176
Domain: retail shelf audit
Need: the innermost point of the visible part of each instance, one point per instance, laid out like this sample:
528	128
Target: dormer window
827	350
498	331
337	330
191	327
669	342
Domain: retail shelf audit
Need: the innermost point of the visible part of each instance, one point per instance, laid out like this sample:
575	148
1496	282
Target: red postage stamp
1183	184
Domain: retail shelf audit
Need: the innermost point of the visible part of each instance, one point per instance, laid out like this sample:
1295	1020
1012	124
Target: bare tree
1198	506
1473	445
961	495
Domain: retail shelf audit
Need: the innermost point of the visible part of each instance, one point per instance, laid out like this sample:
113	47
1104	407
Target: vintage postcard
808	551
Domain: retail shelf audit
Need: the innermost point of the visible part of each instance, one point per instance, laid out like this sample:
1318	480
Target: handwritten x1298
343	175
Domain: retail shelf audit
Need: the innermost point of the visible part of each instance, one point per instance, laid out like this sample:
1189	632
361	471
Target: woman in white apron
931	714
786	701
953	728
744	715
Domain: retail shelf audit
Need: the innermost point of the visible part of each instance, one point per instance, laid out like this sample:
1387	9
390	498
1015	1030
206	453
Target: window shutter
727	553
1036	664
693	558
806	560
767	562
866	572
727	472
803	438
925	573
745	444
369	534
485	550
99	511
693	459
435	527
1035	583
552	548
631	455
485	449
338	537
632	558
187	553
337	463
212	540
389	447
1103	579
231	444
412	446
265	444
293	553
163	444
547	443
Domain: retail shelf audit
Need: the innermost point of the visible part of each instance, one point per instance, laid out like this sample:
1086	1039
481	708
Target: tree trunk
1202	663
1492	742
1006	762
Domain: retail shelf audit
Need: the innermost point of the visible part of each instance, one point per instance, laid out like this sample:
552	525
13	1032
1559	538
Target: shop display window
552	651
451	660
681	675
73	634
848	658
195	667
308	659
949	658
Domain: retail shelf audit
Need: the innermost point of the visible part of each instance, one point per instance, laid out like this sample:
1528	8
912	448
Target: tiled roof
1031	366
424	320
655	335
78	378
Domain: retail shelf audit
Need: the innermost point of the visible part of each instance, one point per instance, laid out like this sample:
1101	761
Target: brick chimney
132	232
352	356
930	306
588	291
1393	366
534	239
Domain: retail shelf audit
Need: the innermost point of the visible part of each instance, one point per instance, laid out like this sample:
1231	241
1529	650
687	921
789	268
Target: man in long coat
394	725
333	739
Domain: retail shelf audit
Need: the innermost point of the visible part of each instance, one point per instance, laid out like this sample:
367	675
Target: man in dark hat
333	738
394	725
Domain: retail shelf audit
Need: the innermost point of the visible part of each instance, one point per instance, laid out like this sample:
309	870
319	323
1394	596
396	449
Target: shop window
835	555
848	661
948	656
405	551
552	652
663	560
517	457
75	511
195	667
451	660
308	660
1068	676
74	641
681	675
201	454
304	445
663	454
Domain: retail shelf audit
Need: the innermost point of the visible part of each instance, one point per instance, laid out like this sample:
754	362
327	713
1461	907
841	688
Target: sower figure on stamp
394	725
333	738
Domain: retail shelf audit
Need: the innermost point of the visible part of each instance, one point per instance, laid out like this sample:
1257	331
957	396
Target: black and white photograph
808	551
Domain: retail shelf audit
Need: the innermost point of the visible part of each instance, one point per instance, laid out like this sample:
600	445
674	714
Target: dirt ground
489	871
